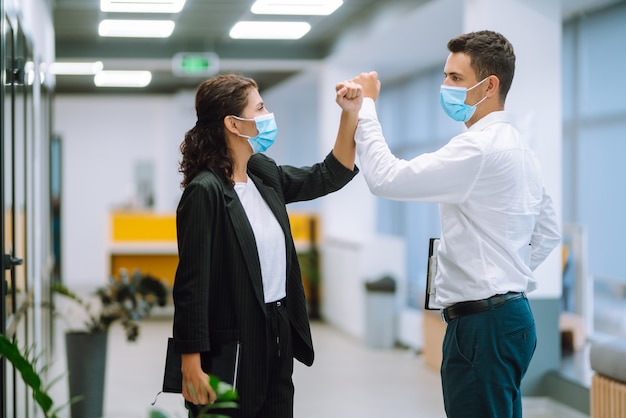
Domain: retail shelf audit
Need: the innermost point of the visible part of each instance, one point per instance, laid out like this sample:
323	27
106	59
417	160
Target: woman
240	309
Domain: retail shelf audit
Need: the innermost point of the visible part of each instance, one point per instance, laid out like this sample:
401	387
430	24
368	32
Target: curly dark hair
490	54
204	146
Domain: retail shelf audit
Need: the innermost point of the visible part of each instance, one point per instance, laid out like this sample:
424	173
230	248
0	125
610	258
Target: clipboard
431	271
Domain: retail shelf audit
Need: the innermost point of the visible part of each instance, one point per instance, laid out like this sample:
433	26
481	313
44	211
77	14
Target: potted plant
26	366
126	299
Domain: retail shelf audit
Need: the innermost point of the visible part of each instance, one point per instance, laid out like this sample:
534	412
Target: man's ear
493	86
230	124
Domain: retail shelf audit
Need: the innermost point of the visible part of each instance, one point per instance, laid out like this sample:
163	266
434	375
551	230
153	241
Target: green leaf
155	413
10	351
223	390
214	382
226	394
43	399
224	405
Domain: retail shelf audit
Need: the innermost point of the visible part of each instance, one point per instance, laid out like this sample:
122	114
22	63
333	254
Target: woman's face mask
266	125
452	101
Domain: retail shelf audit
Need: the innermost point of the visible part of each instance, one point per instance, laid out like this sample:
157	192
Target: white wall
348	266
296	115
102	138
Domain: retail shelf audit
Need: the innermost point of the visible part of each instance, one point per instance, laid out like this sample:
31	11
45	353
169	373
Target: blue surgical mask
266	125
452	101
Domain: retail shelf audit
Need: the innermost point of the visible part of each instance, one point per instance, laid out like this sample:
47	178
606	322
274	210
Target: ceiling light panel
269	30
136	28
295	7
122	78
76	68
142	6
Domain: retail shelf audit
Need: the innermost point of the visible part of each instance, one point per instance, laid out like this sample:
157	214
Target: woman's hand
350	99
349	96
196	387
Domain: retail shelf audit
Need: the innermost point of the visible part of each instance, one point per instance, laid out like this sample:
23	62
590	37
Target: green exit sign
195	64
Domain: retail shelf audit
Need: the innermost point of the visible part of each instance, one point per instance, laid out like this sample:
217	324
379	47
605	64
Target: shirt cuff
368	109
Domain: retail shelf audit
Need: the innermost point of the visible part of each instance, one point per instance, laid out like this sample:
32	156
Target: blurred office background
90	181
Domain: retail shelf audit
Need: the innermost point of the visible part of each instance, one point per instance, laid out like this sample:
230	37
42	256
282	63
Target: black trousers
279	390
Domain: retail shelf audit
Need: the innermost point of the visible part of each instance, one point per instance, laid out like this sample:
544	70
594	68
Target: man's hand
370	83
349	96
196	387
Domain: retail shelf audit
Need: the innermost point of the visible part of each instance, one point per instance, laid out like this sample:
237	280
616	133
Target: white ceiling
203	25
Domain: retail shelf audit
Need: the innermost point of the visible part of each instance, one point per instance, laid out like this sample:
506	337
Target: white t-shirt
270	241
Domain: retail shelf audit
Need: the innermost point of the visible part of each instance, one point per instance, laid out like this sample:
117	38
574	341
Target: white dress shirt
497	222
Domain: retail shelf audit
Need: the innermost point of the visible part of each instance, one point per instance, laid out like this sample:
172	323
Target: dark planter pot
86	364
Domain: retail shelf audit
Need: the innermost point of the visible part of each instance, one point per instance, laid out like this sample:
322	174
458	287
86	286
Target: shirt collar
490	119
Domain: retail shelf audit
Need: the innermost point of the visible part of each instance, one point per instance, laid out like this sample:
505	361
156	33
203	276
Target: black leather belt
277	304
467	308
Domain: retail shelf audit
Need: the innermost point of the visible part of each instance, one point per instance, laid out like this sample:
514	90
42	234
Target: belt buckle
443	316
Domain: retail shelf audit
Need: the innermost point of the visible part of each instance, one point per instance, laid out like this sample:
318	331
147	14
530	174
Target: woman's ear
230	124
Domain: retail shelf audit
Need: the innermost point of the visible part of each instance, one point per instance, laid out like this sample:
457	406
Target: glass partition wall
24	206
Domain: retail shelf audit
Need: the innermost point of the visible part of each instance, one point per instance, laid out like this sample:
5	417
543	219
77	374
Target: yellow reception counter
147	241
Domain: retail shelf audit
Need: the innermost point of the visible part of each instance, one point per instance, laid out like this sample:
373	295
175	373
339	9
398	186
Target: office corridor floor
348	379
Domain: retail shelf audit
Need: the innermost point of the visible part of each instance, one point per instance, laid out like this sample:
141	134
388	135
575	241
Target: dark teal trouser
485	357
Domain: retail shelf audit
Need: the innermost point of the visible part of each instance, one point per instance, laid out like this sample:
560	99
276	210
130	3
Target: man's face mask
452	101
266	125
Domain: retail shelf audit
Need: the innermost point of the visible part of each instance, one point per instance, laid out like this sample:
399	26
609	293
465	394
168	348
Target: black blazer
218	289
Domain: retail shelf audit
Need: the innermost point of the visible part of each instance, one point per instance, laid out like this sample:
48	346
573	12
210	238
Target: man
497	224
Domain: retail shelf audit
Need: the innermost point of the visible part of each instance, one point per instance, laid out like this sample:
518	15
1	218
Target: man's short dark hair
490	54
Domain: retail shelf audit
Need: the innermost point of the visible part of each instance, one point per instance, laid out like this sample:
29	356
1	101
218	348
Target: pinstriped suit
218	289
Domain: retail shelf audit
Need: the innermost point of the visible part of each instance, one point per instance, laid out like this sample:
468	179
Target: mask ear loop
234	128
479	83
480	101
476	85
